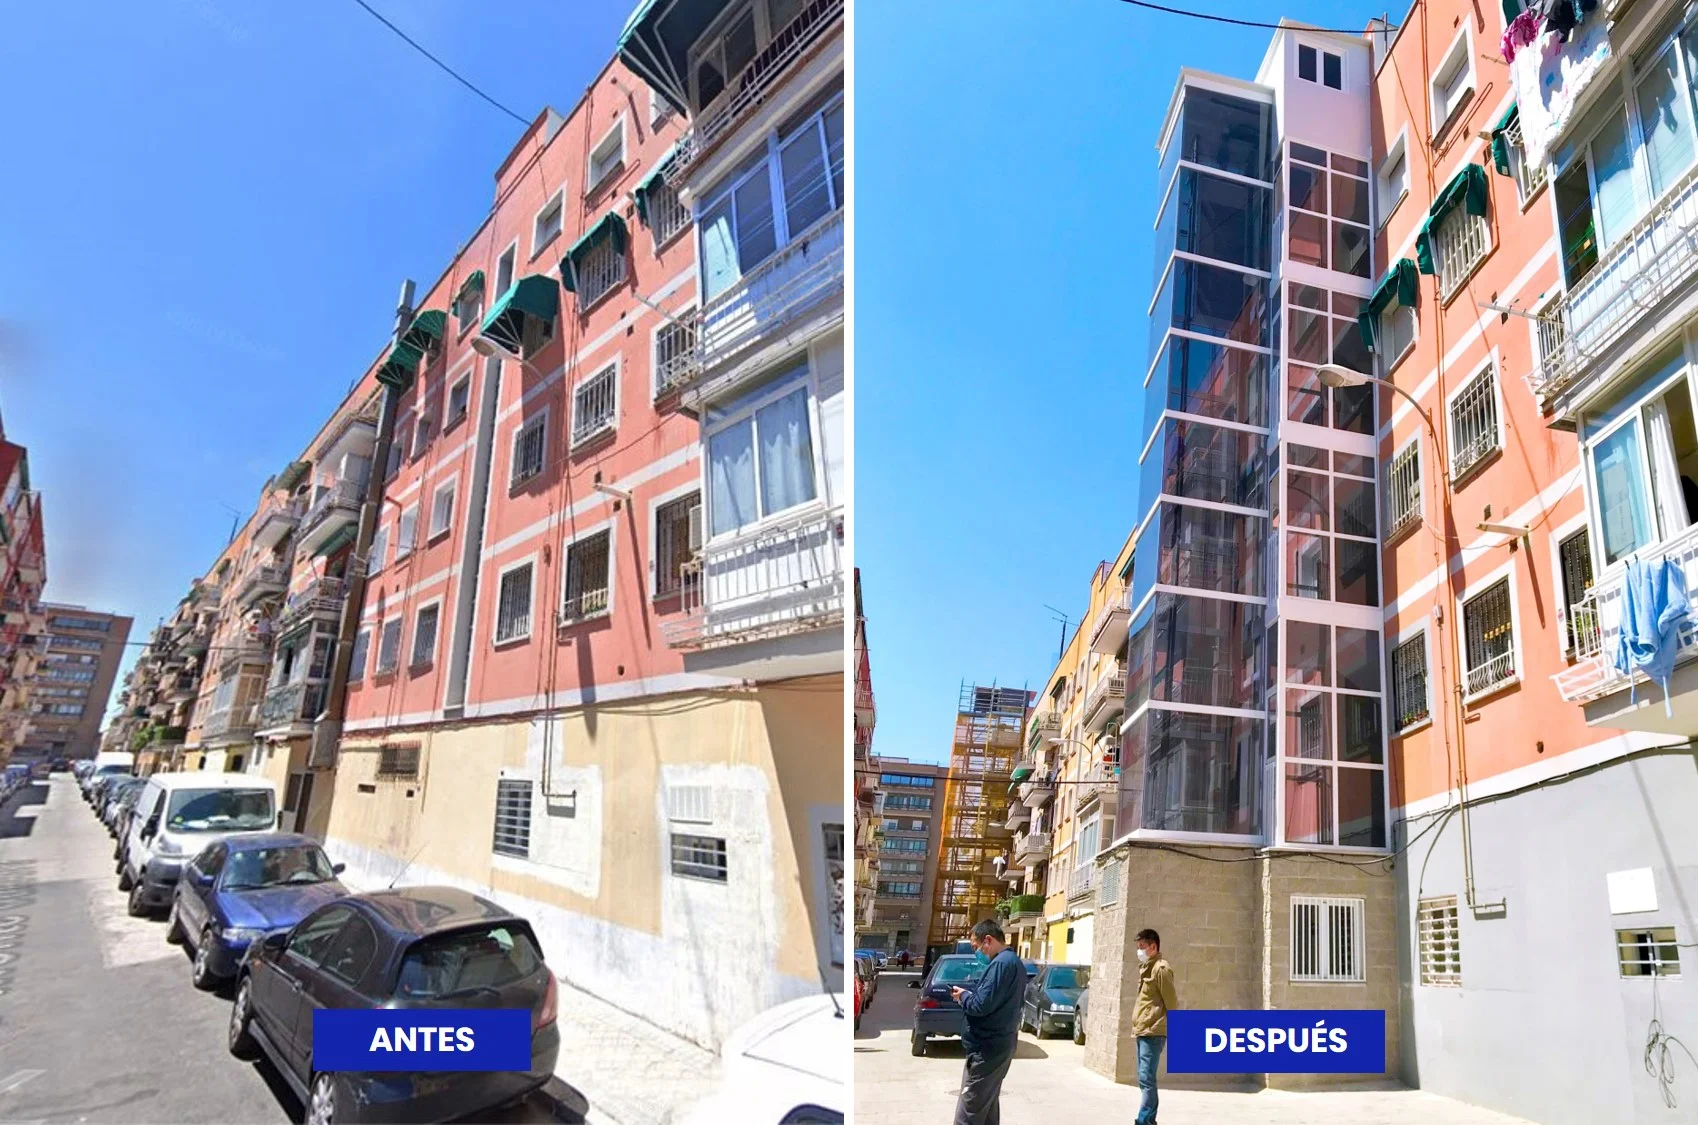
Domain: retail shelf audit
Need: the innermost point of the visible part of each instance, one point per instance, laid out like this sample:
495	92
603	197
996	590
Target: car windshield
954	972
483	958
1068	976
282	866
219	810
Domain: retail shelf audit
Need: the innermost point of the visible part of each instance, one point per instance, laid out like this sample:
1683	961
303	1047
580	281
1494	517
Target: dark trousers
981	1087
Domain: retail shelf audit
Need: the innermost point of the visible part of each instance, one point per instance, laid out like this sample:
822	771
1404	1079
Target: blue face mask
980	955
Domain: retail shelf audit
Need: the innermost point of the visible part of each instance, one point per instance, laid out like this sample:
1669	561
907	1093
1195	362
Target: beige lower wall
761	769
1225	927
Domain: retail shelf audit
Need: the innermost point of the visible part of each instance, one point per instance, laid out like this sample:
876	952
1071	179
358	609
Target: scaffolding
989	725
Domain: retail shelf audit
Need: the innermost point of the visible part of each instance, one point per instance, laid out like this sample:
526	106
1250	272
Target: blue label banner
1341	1041
388	1039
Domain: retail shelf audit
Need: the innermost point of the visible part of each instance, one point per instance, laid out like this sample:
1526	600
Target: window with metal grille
668	215
1459	244
1108	884
442	509
513	605
357	665
424	635
1327	939
398	761
1409	682
389	646
602	268
513	817
1489	628
832	843
1529	178
1579	614
673	548
586	577
674	351
1403	489
1438	935
1550	335
595	405
1648	953
530	447
1474	422
699	857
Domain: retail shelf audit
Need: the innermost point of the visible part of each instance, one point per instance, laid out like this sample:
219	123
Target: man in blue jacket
992	1007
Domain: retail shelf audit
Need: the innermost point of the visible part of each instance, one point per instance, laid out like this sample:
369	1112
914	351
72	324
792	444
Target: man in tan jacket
1156	996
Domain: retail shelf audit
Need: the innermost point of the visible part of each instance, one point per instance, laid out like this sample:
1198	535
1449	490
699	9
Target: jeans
1149	1056
981	1089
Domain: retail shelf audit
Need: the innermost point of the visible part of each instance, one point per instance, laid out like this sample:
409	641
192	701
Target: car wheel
918	1044
1078	1033
321	1106
124	880
137	904
205	979
241	1040
174	925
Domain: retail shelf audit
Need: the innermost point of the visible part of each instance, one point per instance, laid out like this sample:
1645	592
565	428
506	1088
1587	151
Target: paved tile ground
631	1072
1049	1084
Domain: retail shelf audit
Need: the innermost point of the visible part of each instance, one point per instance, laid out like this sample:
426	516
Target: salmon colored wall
1503	731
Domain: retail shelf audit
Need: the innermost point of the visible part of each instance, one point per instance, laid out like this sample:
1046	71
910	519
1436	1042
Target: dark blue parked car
241	889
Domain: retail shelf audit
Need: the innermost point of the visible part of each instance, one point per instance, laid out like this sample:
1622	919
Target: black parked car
1052	997
936	1013
419	947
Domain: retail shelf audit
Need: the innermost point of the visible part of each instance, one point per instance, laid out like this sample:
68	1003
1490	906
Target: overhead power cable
446	69
1242	23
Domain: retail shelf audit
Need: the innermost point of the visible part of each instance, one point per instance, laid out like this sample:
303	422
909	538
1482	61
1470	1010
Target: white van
178	815
105	762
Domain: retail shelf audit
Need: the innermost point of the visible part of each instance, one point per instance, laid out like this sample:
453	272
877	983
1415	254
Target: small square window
530	448
1440	941
1306	59
1650	952
699	857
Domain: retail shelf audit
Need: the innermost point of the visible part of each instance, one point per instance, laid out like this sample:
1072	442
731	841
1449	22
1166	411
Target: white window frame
1560	535
1396	522
1459	229
1550	310
1516	653
659	108
506	796
496	640
1489	370
780	387
413	660
680	321
451	486
1321	959
361	655
677	211
1321	54
377	554
399	621
1399	151
540	242
1387	316
452	419
537	420
1438	941
1528	184
495	273
594	179
1458	56
1423	630
404	544
608	527
610	425
604	270
655	505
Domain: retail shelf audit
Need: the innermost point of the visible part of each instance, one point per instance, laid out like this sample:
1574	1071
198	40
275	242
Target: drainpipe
327	731
471	548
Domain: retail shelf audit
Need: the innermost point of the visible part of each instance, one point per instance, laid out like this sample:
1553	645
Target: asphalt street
98	1019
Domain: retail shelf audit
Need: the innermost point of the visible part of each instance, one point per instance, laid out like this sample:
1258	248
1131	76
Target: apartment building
972	837
1073	751
73	681
158	706
898	911
23	576
864	783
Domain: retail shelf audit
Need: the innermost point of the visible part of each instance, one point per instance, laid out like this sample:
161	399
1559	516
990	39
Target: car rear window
954	972
484	958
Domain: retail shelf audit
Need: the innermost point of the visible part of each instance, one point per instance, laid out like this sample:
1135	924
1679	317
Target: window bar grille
674	355
1409	681
593	406
1461	244
1473	423
603	268
1490	640
1580	613
586	577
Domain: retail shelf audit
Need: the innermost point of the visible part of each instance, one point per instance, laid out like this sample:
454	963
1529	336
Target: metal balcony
322	598
1109	626
291	709
336	506
1018	814
782	579
1082	884
276	522
1099	784
1045	726
1036	791
230	725
1031	847
866	715
1653	263
259	583
1106	698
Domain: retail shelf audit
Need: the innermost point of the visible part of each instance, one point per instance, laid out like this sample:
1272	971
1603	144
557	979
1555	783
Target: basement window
1327	938
1648	953
1440	945
513	817
699	857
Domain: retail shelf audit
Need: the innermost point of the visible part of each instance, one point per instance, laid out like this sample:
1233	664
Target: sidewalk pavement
629	1071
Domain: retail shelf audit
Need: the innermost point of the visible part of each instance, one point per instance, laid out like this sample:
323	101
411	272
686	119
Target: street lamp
1337	378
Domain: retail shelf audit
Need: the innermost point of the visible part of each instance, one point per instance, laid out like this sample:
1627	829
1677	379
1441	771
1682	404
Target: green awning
1021	773
1467	187
1398	286
640	194
426	330
535	296
656	42
341	537
398	370
608	226
472	284
1500	143
293	474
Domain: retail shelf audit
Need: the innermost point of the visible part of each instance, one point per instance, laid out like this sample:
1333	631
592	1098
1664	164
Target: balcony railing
1022	906
1656	257
277	521
782	579
261	582
299	702
1045	725
1594	625
1098	784
1018	814
1036	790
1031	847
333	505
230	724
1082	883
1107	695
323	597
1109	626
750	88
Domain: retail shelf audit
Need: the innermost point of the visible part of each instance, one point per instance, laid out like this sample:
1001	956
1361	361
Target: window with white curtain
761	455
1643	454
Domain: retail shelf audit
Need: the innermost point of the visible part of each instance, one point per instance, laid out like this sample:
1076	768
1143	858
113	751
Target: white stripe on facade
401	596
436	462
625	689
658	467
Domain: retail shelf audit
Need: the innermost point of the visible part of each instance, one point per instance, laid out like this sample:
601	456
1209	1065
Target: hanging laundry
1563	16
1522	31
1654	607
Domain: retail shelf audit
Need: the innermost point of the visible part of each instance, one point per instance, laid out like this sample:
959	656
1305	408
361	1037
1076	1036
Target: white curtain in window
731	477
719	250
1665	468
787	453
1624	516
1612	168
1665	119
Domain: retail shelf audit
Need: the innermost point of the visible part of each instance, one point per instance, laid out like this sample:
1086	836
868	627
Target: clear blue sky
206	214
1005	190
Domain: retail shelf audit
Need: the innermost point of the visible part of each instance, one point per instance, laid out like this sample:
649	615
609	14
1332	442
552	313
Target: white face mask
1143	955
